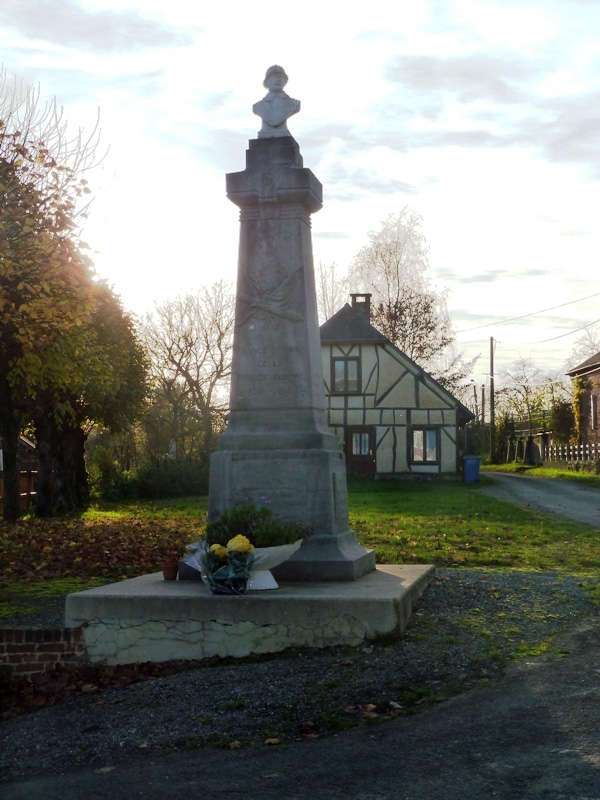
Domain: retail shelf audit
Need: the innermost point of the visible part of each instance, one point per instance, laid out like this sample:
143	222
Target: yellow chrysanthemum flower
219	550
240	544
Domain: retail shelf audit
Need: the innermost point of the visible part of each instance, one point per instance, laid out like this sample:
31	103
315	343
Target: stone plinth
150	619
278	446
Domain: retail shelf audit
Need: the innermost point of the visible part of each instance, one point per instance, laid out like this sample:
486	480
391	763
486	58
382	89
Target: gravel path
467	626
530	735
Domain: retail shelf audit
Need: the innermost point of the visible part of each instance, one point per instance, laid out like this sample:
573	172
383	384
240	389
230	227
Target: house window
594	412
345	377
361	444
425	445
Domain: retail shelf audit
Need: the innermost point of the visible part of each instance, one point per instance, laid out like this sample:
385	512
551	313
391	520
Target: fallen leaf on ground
306	727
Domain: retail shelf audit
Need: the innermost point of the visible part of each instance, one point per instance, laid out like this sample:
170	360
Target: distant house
28	465
394	419
588	376
27	455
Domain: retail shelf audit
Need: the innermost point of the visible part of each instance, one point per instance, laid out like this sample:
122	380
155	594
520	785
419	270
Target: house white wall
395	396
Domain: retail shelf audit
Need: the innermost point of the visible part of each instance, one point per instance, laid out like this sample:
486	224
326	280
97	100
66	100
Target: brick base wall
27	651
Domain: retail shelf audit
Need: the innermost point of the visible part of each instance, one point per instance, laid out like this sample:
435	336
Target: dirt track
561	498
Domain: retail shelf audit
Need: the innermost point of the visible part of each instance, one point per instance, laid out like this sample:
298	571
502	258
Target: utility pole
483	403
475	401
492	410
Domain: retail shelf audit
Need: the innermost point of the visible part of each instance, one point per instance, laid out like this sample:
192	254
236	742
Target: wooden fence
28	483
571	452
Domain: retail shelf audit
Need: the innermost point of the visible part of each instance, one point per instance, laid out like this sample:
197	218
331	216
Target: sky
484	117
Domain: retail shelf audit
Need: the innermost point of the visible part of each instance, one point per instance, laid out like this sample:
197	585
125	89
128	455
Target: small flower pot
170	570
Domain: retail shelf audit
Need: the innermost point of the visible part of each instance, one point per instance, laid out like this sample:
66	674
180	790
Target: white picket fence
571	452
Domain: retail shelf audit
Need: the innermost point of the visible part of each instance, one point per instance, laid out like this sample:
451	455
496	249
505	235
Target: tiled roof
349	325
589	365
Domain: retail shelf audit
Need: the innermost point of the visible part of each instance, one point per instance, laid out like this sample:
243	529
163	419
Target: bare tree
44	153
332	290
394	268
529	393
586	346
189	342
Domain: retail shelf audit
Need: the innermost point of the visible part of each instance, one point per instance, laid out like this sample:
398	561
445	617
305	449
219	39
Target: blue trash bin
472	468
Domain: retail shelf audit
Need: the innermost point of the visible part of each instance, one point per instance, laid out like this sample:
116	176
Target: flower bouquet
241	546
227	568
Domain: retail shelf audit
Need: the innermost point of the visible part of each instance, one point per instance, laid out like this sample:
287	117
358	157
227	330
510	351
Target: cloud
66	24
354	182
575	232
485	101
330	235
534	273
567	129
469	78
490	276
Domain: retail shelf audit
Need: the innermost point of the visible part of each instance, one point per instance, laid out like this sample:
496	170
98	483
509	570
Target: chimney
362	302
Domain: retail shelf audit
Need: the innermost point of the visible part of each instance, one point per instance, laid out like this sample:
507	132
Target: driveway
562	498
532	735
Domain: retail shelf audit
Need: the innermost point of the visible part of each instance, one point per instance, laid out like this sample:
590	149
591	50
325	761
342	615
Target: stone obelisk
278	447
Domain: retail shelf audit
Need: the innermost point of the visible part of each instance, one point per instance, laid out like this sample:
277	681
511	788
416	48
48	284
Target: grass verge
535	471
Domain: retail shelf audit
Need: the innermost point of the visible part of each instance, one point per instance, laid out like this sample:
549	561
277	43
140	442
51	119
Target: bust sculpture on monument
276	107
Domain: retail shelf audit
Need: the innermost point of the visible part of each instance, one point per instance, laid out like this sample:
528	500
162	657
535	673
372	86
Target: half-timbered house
393	418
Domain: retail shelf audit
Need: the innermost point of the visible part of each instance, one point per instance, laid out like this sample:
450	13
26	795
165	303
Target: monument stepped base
150	619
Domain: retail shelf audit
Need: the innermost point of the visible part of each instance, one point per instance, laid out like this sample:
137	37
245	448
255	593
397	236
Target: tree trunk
75	472
63	484
46	469
9	433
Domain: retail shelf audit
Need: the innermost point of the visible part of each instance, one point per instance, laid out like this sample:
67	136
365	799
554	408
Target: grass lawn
451	524
534	471
443	523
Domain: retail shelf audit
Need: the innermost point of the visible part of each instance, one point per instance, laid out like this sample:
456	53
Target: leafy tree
504	440
394	268
43	278
69	355
106	385
581	392
562	421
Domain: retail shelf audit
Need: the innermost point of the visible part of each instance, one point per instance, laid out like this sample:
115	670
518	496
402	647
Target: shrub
169	477
151	480
257	523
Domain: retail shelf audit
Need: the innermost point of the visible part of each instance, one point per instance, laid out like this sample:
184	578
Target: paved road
532	735
562	498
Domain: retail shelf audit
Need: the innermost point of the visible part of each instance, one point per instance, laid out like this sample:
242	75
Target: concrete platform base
150	619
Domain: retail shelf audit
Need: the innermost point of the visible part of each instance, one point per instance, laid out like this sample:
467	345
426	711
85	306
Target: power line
562	335
532	314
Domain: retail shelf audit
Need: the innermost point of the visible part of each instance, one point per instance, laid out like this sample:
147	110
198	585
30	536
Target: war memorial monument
277	445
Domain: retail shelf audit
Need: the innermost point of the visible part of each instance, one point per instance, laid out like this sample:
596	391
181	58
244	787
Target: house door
359	447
